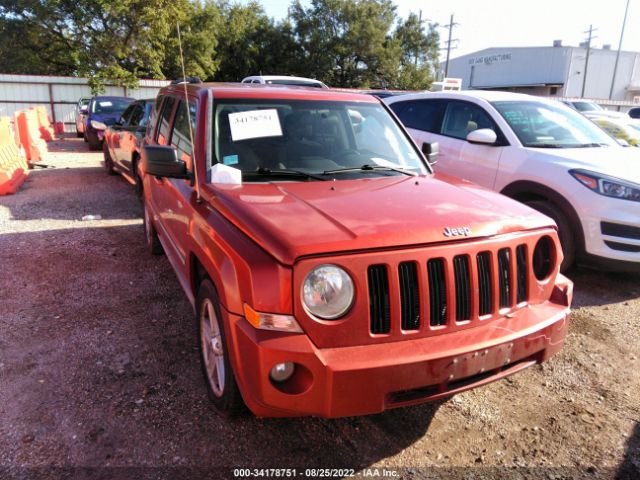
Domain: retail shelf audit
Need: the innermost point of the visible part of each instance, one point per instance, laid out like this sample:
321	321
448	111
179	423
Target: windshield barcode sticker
254	124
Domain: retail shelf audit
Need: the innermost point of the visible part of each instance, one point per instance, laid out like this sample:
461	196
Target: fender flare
525	190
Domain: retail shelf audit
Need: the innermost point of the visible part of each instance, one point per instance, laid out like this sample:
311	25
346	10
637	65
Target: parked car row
123	141
334	273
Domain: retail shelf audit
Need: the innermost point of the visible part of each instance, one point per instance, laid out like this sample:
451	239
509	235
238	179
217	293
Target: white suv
544	154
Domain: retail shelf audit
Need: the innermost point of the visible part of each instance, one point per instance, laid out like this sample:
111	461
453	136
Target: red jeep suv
331	271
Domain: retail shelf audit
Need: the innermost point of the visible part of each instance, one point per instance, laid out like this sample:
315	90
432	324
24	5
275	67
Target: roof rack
181	80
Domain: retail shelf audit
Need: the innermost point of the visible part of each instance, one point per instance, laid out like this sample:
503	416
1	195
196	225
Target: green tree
250	43
419	58
101	39
344	41
199	31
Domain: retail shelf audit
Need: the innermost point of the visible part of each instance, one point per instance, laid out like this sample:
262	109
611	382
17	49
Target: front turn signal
271	321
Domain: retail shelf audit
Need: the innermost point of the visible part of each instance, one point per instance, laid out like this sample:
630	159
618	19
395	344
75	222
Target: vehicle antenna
186	99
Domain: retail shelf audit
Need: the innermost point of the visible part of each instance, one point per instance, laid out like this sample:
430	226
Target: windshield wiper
545	145
594	144
566	145
264	171
368	167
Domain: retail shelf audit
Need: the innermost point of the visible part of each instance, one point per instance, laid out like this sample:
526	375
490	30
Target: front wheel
137	179
150	235
216	364
94	142
567	240
108	161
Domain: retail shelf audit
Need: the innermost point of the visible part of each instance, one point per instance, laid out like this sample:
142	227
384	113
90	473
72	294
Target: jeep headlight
608	186
327	292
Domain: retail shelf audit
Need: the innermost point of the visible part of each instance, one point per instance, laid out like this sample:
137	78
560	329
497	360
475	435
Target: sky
518	23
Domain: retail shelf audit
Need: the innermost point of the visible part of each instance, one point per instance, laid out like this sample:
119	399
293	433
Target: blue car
102	112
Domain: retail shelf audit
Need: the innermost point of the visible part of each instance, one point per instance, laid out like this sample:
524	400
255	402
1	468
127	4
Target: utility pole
586	62
450	27
615	66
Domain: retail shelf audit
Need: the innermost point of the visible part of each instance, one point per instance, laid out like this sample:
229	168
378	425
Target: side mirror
162	161
431	151
84	109
484	136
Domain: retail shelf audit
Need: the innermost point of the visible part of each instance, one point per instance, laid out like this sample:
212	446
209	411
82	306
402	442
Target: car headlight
544	258
98	125
327	292
608	186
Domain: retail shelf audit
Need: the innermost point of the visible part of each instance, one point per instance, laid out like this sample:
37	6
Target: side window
126	115
136	116
153	117
422	115
180	135
165	117
461	118
146	115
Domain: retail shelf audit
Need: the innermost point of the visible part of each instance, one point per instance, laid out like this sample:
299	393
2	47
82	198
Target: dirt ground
100	377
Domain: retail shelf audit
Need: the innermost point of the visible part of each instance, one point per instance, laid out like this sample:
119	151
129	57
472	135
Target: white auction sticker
255	124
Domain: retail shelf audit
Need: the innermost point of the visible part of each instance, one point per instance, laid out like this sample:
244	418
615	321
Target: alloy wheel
212	348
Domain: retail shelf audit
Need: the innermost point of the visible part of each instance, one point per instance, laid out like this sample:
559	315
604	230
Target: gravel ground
100	377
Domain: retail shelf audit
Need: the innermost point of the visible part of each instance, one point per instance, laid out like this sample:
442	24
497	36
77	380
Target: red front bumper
359	380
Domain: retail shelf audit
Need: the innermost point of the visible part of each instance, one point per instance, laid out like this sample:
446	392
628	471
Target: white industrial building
554	71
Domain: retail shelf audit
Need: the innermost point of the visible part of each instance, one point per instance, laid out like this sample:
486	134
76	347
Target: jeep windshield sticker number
255	124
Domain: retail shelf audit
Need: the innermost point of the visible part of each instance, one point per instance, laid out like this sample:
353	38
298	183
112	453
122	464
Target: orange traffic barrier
13	166
28	131
44	124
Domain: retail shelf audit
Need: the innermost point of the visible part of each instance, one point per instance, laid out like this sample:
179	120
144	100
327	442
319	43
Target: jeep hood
295	219
616	161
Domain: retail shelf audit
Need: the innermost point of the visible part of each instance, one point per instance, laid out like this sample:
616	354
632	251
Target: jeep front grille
409	295
379	299
463	287
521	273
456	290
485	285
437	292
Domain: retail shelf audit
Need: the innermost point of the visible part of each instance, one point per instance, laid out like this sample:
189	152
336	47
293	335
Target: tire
151	236
216	366
138	187
108	161
567	240
84	136
79	134
94	143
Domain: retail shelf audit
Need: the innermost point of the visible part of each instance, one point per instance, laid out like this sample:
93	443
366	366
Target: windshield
586	106
312	137
544	125
110	105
